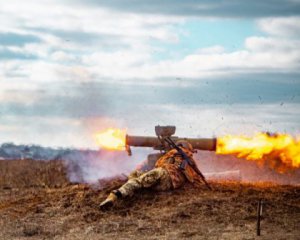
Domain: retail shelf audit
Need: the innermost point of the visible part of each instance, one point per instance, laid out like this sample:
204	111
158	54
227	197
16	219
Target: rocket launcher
159	143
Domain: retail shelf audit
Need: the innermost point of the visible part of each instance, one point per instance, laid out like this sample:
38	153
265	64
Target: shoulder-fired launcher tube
208	144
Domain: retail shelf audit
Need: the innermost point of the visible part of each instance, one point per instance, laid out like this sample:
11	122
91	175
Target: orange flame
111	138
279	151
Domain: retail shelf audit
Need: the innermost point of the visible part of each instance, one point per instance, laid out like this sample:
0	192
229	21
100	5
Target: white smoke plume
92	166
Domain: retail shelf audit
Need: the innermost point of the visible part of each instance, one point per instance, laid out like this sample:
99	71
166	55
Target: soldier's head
185	144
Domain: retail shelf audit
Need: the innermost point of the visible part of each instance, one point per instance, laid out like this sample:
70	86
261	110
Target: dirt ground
61	210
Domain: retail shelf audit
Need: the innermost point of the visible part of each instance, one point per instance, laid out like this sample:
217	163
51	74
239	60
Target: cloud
83	23
288	27
54	131
206	8
270	44
212	50
261	54
123	47
191	121
79	64
6	54
99	99
13	39
216	120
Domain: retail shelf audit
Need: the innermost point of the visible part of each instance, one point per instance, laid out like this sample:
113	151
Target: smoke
249	171
105	164
91	166
81	165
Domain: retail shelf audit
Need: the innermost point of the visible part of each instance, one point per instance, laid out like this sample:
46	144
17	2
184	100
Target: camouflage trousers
157	179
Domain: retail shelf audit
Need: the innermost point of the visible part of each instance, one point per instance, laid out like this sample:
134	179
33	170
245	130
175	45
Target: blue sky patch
195	34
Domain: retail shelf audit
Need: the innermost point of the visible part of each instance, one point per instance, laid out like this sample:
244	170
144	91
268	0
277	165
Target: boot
108	202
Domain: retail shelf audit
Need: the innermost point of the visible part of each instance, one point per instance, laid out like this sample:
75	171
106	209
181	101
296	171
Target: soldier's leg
165	181
157	178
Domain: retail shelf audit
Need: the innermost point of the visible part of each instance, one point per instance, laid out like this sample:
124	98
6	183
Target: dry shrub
32	173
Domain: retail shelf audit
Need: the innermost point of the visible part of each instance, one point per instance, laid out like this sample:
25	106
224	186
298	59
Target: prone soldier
167	174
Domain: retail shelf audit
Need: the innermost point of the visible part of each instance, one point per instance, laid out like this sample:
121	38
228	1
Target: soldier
166	175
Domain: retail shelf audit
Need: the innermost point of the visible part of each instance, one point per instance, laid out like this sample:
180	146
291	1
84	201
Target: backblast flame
113	139
280	151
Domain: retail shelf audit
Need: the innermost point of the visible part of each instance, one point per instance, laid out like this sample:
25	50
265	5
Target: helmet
185	144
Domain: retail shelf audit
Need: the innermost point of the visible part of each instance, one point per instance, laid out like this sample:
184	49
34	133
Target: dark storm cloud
13	39
103	99
221	8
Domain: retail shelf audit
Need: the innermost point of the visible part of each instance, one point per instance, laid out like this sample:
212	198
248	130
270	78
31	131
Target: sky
69	69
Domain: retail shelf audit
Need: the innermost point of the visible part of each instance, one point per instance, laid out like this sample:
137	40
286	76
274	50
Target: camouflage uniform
165	176
157	178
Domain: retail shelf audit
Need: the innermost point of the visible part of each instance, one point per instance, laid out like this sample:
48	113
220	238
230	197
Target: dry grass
71	211
31	173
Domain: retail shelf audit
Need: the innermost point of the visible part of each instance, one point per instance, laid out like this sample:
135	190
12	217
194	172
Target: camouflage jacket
171	162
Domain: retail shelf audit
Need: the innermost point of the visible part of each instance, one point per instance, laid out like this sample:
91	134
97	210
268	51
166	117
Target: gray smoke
249	171
90	166
81	165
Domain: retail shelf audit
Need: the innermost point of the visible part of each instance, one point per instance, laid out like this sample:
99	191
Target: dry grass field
38	202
